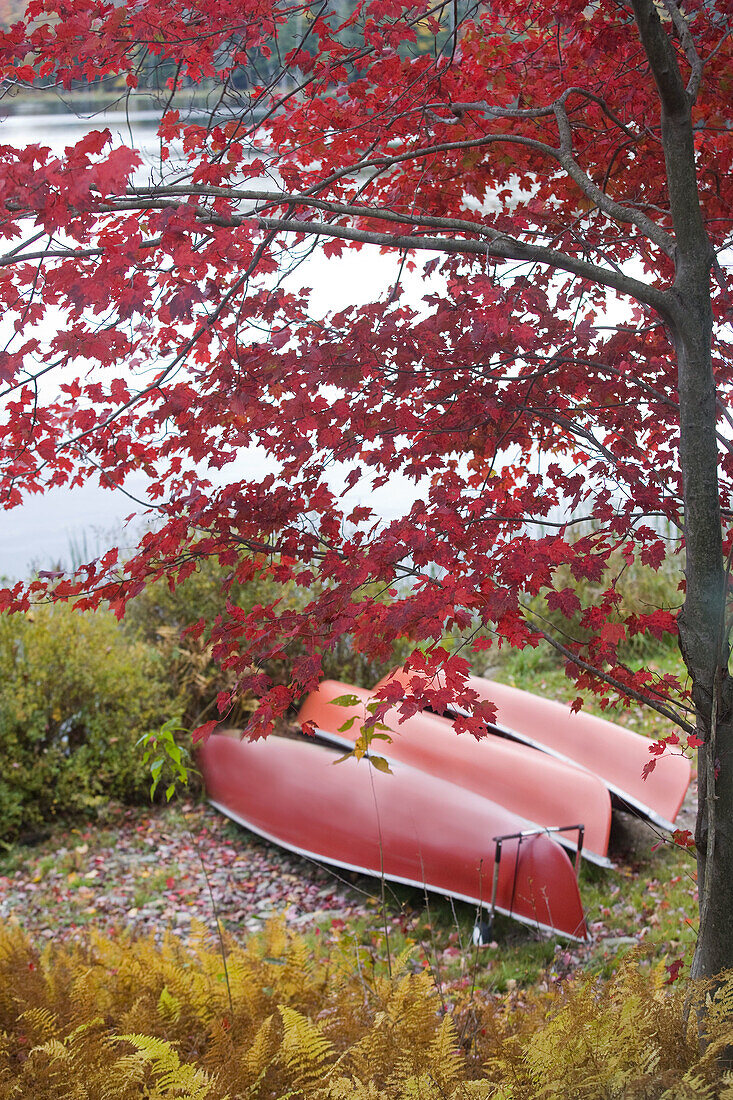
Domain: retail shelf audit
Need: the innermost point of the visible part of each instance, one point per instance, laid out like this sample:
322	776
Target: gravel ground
148	871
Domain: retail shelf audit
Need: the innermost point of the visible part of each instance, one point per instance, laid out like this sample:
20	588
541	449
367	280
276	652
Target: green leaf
379	763
163	741
346	756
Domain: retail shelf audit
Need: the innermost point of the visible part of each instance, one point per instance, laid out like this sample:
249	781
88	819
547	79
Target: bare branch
693	57
460	109
490	243
615	210
496	245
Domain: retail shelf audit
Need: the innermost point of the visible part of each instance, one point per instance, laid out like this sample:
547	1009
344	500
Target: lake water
65	524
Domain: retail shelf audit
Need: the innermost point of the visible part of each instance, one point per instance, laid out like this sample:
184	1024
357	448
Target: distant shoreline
88	105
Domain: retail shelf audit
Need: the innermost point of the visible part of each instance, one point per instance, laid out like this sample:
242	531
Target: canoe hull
611	752
408	826
530	784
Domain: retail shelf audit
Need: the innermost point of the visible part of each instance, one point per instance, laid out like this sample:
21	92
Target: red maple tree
548	168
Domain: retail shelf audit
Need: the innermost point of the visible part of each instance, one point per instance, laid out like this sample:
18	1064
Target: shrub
75	696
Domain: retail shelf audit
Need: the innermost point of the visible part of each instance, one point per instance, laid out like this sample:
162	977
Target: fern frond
400	965
168	1070
726	1089
445	1060
125	1077
169	1007
260	1054
479	1090
305	1051
417	1087
692	1087
41	1024
348	1088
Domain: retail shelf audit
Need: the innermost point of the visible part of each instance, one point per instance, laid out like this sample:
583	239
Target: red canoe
409	826
613	753
528	783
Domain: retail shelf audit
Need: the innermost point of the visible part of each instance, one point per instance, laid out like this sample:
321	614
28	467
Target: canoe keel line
410	827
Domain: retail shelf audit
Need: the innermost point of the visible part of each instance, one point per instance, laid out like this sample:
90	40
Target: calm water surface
65	524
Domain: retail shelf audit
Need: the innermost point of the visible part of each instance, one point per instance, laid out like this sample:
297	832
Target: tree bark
702	624
703	639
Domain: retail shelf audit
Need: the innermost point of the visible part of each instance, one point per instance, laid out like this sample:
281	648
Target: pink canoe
613	753
530	784
408	826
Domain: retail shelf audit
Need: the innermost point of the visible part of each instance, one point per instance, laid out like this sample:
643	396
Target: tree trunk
703	633
703	636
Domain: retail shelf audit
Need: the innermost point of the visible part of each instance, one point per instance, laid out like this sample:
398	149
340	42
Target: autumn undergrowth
648	898
109	1018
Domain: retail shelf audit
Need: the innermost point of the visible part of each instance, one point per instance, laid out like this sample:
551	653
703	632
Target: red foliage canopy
510	156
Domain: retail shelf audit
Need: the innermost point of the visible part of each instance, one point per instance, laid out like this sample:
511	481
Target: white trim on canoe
622	795
481	904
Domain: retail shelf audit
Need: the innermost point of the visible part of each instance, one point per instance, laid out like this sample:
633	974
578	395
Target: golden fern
348	1088
169	1006
173	1077
305	1052
48	1074
445	1061
692	1087
433	1071
316	1031
259	1057
41	1024
125	1077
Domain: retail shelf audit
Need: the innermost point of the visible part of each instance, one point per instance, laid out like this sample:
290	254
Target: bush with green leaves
76	694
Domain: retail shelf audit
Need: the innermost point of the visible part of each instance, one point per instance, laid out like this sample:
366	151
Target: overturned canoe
530	784
408	826
613	753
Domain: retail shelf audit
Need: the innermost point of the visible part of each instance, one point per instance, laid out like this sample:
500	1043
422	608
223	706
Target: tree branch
661	57
693	57
496	245
646	701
